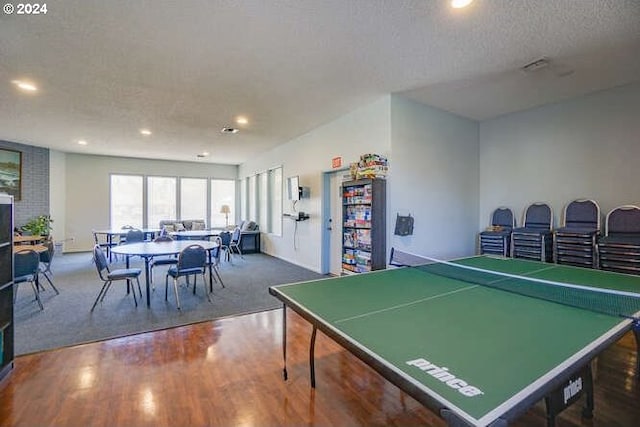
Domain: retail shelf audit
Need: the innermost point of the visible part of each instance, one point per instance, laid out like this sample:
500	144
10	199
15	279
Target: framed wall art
10	172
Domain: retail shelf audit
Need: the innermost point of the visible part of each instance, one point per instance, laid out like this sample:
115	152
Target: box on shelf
370	166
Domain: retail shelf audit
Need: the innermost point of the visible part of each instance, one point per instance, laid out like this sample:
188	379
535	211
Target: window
193	198
263	201
275	206
261	198
223	193
143	201
161	199
253	198
126	201
243	198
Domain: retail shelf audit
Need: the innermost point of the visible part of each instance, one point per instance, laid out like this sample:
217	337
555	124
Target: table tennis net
611	302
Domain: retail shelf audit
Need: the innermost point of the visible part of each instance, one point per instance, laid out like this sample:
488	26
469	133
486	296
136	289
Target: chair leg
175	289
166	288
195	280
100	295
37	293
133	291
215	270
139	288
46	276
104	294
206	289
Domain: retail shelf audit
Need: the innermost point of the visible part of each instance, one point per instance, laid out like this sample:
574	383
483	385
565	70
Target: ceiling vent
229	130
536	65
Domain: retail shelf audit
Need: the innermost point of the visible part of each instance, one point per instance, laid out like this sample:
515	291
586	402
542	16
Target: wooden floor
228	373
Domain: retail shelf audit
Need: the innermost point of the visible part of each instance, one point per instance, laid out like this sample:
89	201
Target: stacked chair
496	239
619	248
535	239
575	242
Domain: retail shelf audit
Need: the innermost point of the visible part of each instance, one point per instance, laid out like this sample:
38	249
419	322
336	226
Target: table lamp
226	211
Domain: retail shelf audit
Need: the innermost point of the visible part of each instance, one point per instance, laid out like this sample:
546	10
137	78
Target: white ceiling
107	68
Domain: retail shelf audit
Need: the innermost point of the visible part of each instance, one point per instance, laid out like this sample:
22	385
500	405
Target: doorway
331	262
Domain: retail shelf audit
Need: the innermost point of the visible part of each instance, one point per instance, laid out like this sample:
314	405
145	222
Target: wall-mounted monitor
293	188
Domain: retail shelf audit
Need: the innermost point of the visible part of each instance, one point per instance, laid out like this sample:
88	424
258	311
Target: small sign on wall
336	162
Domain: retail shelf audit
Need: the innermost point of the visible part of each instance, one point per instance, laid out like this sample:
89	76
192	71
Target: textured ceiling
185	69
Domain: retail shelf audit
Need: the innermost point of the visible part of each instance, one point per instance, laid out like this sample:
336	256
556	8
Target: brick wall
35	182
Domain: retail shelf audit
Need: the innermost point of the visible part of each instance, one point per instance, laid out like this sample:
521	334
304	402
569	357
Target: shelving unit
6	284
363	225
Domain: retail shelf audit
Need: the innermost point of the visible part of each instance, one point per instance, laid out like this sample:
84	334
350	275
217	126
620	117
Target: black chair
234	244
134	236
225	239
46	258
497	238
26	268
535	239
192	261
164	260
619	248
108	277
575	242
215	261
104	243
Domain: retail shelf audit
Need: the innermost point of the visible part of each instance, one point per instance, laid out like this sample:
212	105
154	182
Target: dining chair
102	242
215	261
134	236
26	266
225	238
235	242
46	258
108	277
123	237
162	260
192	261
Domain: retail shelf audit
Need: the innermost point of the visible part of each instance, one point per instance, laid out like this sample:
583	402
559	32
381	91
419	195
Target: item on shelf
370	166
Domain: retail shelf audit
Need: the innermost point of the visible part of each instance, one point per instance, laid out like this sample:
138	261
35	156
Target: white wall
58	194
587	147
365	130
433	158
435	179
87	188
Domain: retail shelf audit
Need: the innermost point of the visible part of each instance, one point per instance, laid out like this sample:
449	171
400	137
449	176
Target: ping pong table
474	354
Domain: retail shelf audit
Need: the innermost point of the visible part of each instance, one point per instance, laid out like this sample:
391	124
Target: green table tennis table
474	354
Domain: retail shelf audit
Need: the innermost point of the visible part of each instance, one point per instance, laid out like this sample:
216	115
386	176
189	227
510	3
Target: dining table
25	239
111	233
38	248
193	234
148	250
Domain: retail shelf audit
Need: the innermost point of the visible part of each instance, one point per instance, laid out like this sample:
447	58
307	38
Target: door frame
325	208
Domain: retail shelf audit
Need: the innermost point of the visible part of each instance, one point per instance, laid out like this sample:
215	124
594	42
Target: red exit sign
336	162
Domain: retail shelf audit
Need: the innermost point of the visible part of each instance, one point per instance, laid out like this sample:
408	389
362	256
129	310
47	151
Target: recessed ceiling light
230	130
82	142
25	85
241	120
145	132
204	154
459	4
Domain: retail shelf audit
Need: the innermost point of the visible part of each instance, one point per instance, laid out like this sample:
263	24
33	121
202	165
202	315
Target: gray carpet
66	319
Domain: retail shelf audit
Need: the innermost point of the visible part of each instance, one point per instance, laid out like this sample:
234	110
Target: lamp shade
225	209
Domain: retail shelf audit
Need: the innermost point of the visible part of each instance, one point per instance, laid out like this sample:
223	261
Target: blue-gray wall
434	178
35	182
585	147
